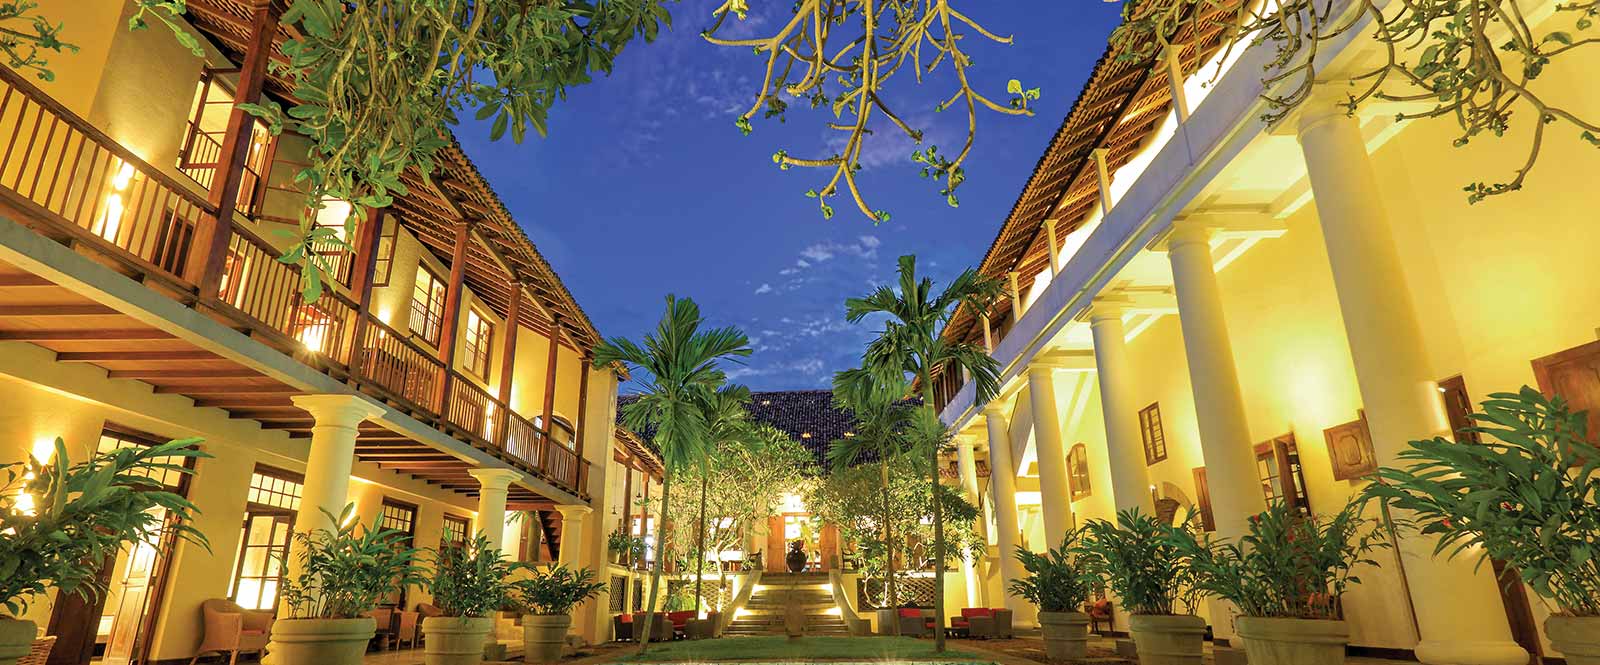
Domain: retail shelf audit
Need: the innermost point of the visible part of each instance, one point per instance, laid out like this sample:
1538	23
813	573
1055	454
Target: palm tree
882	417
727	424
910	345
679	363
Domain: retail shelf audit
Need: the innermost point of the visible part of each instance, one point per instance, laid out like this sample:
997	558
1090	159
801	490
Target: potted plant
1138	559
620	544
1525	496
1058	586
547	599
1286	575
796	558
342	576
62	521
469	584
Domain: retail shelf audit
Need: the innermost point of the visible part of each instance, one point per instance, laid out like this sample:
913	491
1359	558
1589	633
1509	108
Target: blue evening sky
645	187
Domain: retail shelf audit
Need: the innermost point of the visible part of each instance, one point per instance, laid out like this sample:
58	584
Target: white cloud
764	288
870	242
819	252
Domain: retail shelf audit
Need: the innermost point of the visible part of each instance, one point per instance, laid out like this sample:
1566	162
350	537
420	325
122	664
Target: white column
1214	380
1055	501
333	447
968	467
1003	483
572	534
493	485
1130	480
1459	612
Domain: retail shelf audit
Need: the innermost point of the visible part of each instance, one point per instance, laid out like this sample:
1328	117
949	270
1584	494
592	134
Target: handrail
742	598
847	611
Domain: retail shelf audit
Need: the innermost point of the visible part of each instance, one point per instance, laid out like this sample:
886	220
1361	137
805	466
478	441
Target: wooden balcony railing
73	182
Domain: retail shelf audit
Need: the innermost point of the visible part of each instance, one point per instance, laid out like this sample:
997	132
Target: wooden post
508	352
583	411
209	253
550	375
368	235
452	312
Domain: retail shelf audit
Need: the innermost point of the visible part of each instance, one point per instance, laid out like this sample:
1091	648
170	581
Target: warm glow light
124	176
348	520
832	610
44	448
110	218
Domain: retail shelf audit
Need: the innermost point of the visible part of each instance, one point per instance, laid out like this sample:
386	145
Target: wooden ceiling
1119	109
501	256
37	311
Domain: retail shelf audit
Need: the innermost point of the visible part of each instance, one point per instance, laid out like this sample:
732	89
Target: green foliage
555	591
1526	495
1137	556
82	514
344	573
1286	565
620	541
1056	582
837	57
24	44
1477	62
470	581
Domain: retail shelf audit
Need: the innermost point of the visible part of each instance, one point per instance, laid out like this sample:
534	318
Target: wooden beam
89	335
134	356
184	374
64	309
198	391
24	280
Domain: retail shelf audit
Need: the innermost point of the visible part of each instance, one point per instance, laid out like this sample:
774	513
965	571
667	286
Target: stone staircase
809	593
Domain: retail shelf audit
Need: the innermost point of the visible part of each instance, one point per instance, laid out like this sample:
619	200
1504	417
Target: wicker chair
408	630
912	623
622	628
1098	611
231	629
996	624
40	653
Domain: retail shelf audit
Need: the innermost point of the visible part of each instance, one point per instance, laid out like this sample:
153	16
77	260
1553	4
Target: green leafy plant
1526	495
1286	564
471	581
60	521
555	591
344	573
24	46
1138	558
619	541
1056	581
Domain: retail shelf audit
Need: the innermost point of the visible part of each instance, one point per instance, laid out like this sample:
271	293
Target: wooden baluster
210	250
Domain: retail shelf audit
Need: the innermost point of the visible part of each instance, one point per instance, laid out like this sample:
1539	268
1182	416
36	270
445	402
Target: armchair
408	630
1098	611
912	623
622	627
230	629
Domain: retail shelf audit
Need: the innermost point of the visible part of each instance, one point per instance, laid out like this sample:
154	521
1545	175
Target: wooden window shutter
1153	434
1202	493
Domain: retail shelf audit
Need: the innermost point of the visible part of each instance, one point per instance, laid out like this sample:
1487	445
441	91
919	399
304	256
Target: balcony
71	183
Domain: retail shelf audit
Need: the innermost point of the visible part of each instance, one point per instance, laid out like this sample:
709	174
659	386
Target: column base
1465	652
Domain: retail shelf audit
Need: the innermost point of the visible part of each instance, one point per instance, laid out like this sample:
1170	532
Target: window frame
479	345
1281	455
284	515
446	532
1153	434
388	239
428	315
1078	483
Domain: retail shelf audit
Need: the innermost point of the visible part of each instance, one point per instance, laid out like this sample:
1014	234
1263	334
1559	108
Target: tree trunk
888	540
700	548
655	576
938	533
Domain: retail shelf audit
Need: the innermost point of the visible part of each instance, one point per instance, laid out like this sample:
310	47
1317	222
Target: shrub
345	573
1055	582
83	513
471	581
1526	495
1286	565
1137	558
555	591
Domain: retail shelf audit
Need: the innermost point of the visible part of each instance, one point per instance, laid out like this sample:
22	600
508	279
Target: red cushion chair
967	613
680	619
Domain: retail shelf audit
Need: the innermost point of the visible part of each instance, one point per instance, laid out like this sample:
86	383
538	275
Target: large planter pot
1168	640
1066	635
16	639
888	621
1278	641
796	560
455	640
1577	638
319	641
545	636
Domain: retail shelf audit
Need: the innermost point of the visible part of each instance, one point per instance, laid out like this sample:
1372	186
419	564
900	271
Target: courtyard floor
1019	651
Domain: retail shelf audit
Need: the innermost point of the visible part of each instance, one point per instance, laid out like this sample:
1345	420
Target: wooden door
775	545
828	545
75	621
1202	499
1513	595
132	598
1574	374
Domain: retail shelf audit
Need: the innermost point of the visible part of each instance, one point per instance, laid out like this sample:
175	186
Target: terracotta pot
455	640
1282	641
320	641
1577	638
1168	639
16	639
1066	635
545	636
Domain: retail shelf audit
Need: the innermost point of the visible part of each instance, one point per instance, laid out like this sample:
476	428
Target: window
1154	436
1202	495
1078	472
383	263
427	305
400	517
114	438
455	532
202	141
479	332
272	500
314	327
1282	478
333	214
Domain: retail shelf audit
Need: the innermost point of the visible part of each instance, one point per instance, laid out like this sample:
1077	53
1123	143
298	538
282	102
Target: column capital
1322	108
1101	311
573	512
338	410
964	441
992	410
493	478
